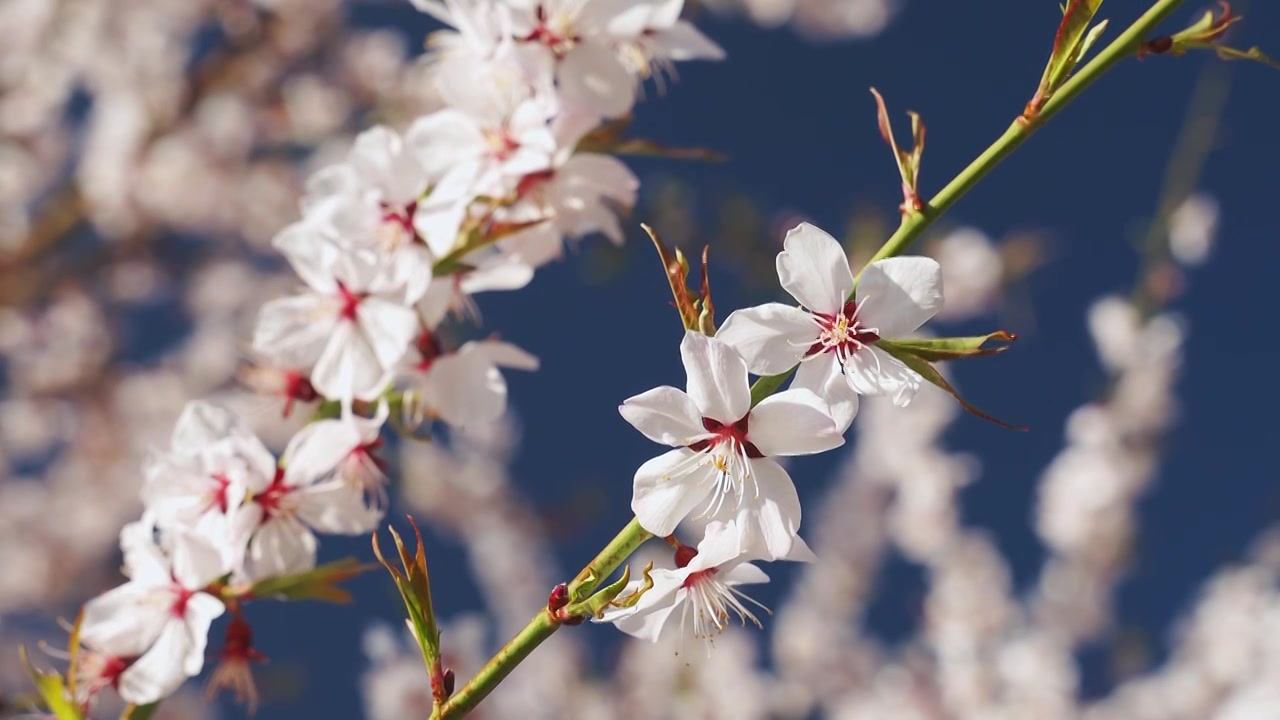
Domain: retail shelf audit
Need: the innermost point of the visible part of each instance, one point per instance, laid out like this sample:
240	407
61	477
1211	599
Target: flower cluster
392	244
722	470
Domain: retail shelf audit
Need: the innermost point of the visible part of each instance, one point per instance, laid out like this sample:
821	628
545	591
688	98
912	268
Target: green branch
1127	44
543	625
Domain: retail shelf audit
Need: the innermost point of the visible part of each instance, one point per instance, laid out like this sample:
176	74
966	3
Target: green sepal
475	239
956	348
603	598
767	385
930	373
697	312
1204	34
52	689
414	585
320	583
1073	38
634	597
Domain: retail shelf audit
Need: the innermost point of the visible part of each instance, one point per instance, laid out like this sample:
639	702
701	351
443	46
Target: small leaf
930	373
634	597
452	263
1069	44
413	582
677	270
940	349
595	605
767	385
1204	34
320	583
908	162
706	308
57	699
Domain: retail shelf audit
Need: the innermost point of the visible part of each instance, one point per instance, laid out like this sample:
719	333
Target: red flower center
401	216
270	500
350	302
842	333
735	434
219	495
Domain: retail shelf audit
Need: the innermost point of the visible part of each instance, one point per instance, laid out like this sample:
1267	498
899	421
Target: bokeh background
149	150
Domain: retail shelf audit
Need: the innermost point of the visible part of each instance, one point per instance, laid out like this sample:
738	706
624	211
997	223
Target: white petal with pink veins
793	422
815	270
822	375
771	338
898	295
717	377
872	371
665	415
667	488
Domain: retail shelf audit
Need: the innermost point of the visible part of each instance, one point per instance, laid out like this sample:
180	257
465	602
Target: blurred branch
1195	143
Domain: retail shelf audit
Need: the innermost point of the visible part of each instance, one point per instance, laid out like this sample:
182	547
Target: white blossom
724	449
833	336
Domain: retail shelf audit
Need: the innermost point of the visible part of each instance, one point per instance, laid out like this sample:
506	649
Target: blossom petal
649	623
793	422
720	545
309	253
771	338
744	574
815	270
293	331
281	546
591	76
465	390
202	609
872	371
501	354
768	523
665	415
159	672
661	500
316	449
337	508
444	140
200	425
822	376
683	41
897	295
378	153
717	377
122	621
196	561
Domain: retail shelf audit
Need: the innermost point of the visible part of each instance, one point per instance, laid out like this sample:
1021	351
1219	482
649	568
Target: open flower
155	627
310	493
722	461
464	388
375	200
197	485
350	329
832	337
703	588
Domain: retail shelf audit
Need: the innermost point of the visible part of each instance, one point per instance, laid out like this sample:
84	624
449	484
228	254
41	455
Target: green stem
542	626
619	549
1127	44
